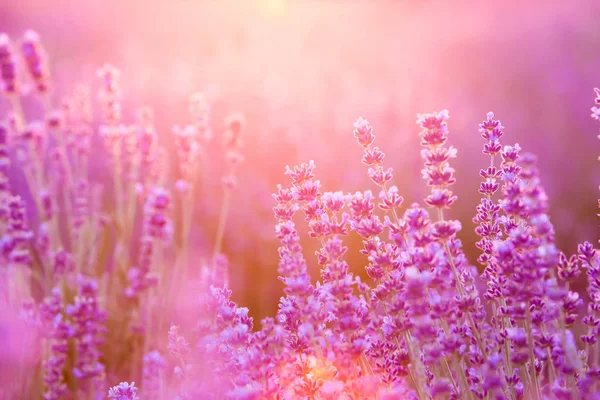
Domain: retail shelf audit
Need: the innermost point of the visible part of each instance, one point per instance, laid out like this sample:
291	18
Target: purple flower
89	322
363	132
123	391
177	343
8	66
36	61
152	371
110	94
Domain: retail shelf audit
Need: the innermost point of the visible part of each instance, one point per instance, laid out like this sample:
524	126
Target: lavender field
299	199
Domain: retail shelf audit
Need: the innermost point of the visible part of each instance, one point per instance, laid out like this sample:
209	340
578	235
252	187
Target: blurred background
302	71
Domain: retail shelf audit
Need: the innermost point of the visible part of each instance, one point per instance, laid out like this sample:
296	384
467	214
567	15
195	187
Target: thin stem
413	362
530	345
157	263
221	228
29	177
366	364
507	359
449	371
462	376
596	358
67	189
462	295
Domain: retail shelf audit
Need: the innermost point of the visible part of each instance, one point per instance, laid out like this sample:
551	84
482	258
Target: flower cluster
36	62
92	272
8	66
123	391
421	329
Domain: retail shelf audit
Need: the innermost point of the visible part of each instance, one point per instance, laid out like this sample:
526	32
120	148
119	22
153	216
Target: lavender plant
91	274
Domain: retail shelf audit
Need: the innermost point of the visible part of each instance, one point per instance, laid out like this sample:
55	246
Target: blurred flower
36	61
8	66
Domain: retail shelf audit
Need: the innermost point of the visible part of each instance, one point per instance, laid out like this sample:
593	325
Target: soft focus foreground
107	275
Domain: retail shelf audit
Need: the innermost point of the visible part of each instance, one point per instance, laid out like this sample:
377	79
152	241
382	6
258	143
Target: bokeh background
302	71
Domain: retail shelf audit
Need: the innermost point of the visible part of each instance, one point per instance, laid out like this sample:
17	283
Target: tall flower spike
36	61
487	211
383	256
153	370
89	322
434	134
177	343
439	176
199	109
373	157
188	149
57	332
292	265
491	131
8	66
17	235
4	151
145	137
110	94
437	172
233	140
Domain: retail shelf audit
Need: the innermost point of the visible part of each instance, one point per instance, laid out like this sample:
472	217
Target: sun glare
272	8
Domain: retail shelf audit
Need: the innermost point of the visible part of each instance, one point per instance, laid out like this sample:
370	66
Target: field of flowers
242	206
